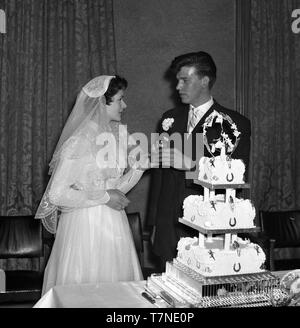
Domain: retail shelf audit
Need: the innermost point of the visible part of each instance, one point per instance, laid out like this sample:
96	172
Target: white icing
218	170
218	214
213	260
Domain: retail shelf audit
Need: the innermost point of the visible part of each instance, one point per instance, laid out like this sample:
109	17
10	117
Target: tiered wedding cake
225	215
210	269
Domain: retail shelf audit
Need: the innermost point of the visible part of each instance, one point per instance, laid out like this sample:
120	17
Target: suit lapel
181	120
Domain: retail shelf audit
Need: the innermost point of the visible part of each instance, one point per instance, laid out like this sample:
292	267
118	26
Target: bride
90	175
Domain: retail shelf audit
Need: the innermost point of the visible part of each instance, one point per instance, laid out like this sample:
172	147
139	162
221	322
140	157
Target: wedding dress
93	242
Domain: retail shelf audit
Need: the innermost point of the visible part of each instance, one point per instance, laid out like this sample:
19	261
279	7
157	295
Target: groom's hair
116	83
202	61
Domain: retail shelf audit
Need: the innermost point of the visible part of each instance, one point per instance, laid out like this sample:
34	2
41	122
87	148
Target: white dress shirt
199	111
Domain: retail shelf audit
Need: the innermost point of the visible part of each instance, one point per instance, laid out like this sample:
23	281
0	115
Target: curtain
267	91
50	50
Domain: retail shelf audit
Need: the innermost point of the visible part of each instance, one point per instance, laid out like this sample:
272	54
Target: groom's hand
118	201
143	164
172	157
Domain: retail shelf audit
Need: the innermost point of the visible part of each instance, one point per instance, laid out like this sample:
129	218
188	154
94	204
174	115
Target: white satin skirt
92	245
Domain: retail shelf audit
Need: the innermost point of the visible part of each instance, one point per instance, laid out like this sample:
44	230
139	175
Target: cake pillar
201	240
233	238
209	238
223	154
206	194
227	241
230	192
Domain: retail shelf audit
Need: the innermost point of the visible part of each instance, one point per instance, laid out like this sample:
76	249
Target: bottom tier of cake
212	259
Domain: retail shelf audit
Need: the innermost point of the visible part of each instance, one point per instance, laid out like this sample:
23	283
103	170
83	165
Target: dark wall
149	34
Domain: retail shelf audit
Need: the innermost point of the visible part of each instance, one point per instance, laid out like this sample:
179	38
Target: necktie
192	121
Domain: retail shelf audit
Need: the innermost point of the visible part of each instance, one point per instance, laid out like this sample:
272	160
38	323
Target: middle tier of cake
218	214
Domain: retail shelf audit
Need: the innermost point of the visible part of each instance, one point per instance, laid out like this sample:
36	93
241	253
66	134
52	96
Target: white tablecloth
101	295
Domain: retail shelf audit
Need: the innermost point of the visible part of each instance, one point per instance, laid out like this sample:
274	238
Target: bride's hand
117	200
145	163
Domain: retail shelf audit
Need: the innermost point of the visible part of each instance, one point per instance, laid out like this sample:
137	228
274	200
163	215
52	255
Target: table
101	295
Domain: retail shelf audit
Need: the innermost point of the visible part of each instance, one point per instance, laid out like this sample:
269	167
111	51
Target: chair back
283	226
139	237
20	237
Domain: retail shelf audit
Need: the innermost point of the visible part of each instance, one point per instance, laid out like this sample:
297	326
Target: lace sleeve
137	162
129	180
75	183
68	191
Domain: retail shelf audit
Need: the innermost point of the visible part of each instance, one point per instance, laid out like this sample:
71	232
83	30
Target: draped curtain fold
267	91
50	50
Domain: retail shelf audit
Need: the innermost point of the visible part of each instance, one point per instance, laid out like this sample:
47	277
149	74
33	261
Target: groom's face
190	86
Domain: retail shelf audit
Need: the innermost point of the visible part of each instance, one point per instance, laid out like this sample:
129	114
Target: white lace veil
90	106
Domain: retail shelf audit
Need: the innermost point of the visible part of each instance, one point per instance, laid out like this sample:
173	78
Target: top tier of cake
220	170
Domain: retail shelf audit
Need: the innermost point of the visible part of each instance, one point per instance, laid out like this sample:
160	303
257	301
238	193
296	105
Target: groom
170	182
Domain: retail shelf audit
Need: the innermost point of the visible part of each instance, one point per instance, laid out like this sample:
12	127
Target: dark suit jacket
169	187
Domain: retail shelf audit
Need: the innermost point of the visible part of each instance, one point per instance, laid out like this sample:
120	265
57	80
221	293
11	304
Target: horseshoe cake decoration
232	222
237	267
229	177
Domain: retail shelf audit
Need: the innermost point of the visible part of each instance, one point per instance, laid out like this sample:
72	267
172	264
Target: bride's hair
117	83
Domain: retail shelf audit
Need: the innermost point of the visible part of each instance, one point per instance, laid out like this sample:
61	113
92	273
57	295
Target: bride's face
116	107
